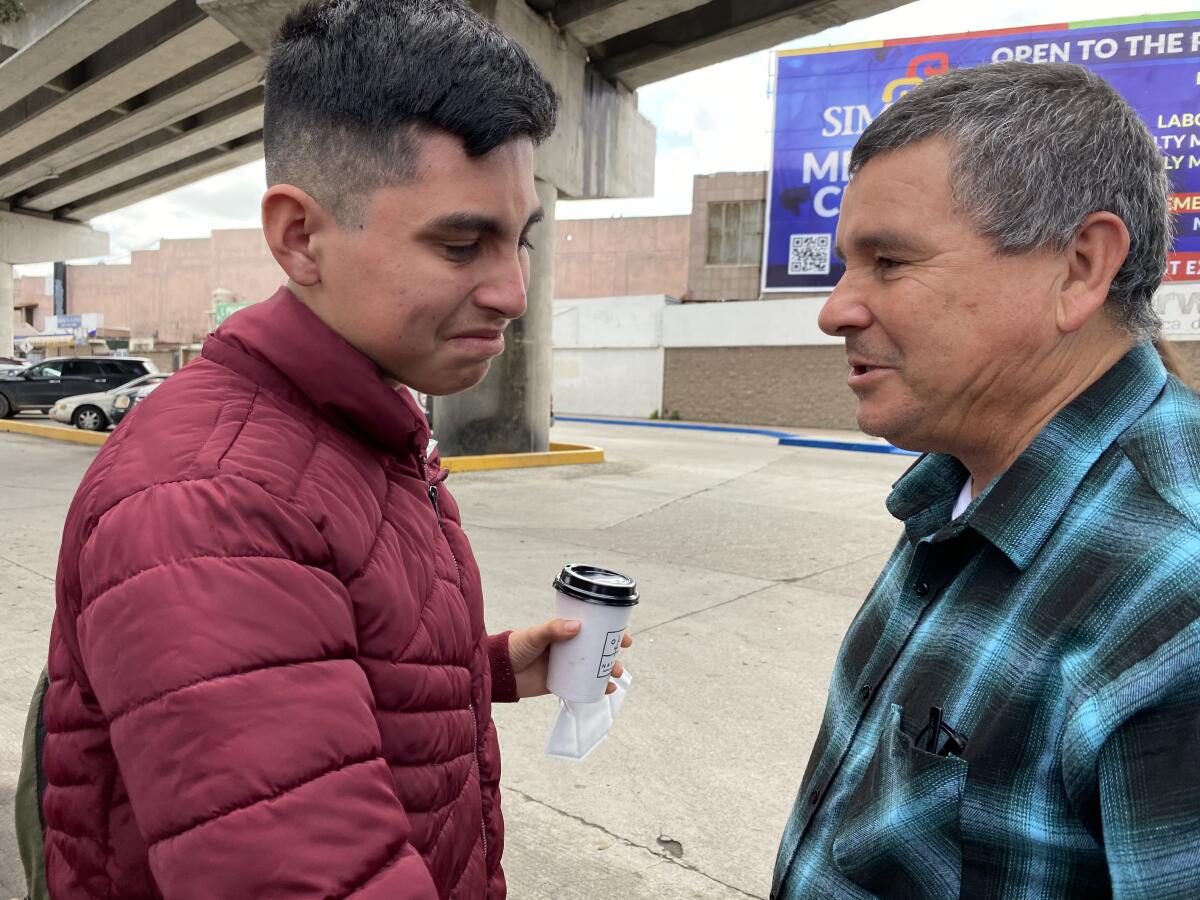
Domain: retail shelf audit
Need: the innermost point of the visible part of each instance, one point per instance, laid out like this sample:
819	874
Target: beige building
164	295
621	257
715	253
725	258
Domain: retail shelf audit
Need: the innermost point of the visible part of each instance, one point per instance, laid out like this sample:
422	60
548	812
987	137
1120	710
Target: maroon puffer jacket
269	671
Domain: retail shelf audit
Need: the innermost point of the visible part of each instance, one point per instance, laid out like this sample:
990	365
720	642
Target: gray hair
1037	149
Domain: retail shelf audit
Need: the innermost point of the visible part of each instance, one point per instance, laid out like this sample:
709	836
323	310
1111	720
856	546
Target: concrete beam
33	24
594	21
200	87
211	162
721	30
55	35
33	239
603	147
224	123
152	65
255	22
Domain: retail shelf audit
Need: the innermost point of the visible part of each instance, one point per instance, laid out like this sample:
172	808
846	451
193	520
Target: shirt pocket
900	835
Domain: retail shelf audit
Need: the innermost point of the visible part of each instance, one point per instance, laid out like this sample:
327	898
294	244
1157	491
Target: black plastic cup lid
595	585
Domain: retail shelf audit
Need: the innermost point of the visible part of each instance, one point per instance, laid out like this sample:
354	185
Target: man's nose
505	290
845	311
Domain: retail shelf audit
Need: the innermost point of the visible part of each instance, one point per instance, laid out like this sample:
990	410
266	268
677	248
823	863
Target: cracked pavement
751	559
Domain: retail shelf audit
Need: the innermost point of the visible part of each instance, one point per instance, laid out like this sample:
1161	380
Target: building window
28	312
735	233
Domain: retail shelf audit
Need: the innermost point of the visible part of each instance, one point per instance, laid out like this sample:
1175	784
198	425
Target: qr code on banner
809	254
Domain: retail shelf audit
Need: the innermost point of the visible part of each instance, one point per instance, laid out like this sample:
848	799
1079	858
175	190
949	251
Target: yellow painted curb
557	455
72	435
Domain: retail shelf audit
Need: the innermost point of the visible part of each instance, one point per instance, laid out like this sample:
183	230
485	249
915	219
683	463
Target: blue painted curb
683	426
785	438
796	441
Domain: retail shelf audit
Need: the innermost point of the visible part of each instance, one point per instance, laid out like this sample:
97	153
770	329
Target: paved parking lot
751	559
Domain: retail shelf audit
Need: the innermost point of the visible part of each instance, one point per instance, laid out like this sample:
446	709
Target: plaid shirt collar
1045	476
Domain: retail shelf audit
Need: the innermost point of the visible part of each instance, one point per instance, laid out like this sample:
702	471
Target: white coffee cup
601	600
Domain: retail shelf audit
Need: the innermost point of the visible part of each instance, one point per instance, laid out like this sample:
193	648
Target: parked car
126	400
9	365
39	387
94	412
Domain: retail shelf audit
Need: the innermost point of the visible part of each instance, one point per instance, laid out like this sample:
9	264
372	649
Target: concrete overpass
107	102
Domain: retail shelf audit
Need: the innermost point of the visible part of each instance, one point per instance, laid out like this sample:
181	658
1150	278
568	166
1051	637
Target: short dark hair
351	83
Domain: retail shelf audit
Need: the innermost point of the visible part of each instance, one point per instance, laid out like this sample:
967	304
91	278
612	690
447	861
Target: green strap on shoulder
30	786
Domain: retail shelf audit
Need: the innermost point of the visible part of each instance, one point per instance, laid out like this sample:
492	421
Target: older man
1015	711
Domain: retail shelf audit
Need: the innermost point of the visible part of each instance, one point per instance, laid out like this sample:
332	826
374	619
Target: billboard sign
825	98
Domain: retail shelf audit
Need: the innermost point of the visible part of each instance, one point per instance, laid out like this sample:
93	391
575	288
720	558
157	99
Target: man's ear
290	217
1093	260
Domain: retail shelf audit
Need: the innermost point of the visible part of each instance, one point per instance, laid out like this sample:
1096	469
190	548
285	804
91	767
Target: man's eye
524	243
885	263
460	252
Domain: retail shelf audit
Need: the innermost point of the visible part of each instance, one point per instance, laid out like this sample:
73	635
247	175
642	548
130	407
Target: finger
558	630
617	670
611	689
627	640
527	644
553	631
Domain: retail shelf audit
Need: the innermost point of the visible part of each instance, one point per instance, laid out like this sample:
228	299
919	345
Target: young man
269	674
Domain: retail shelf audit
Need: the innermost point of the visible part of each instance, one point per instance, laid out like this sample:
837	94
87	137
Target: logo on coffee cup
612	643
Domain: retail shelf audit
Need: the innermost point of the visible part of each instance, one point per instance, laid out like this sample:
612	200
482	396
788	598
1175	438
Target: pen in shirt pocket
933	733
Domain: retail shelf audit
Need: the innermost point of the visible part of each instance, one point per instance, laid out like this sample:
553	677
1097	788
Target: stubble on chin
895	424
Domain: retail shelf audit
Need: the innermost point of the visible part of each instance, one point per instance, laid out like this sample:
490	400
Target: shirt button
813	798
921	589
865	692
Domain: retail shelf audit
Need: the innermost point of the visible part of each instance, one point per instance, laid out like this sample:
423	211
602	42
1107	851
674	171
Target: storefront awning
47	340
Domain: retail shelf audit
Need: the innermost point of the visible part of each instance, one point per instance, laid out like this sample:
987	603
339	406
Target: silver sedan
94	412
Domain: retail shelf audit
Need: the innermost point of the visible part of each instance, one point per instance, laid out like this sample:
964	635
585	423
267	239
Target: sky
716	119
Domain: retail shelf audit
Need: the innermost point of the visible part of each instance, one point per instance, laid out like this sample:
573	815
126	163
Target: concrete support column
509	411
6	309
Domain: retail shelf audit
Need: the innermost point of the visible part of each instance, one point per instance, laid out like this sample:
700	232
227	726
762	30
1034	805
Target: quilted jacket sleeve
221	650
504	680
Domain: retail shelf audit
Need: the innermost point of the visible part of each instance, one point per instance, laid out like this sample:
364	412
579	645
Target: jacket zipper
433	498
482	821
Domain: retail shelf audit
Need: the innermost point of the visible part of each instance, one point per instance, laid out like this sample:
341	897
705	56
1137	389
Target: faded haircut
351	84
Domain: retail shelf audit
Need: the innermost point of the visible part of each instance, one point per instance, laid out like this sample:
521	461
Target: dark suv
42	385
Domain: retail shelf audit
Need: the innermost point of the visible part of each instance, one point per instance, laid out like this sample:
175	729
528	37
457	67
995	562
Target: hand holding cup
529	650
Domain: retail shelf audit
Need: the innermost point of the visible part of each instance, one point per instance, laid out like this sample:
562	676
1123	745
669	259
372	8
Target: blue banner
824	99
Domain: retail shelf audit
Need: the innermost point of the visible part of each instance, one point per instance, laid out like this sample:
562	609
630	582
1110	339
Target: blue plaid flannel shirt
1056	622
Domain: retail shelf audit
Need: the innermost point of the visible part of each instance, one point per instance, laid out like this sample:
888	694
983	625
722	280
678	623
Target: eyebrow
474	223
886	241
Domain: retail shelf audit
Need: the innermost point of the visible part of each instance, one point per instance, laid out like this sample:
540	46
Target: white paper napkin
580	727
